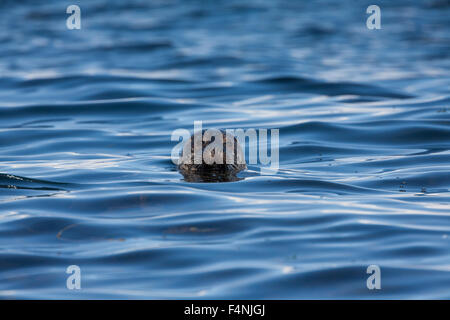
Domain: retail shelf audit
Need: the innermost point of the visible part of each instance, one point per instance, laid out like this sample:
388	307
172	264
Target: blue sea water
86	178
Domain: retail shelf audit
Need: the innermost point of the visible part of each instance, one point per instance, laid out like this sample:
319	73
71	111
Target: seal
219	159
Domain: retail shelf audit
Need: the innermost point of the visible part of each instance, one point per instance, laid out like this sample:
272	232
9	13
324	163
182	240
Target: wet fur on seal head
215	159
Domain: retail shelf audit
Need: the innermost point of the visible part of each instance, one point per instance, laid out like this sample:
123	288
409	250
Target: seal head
211	156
